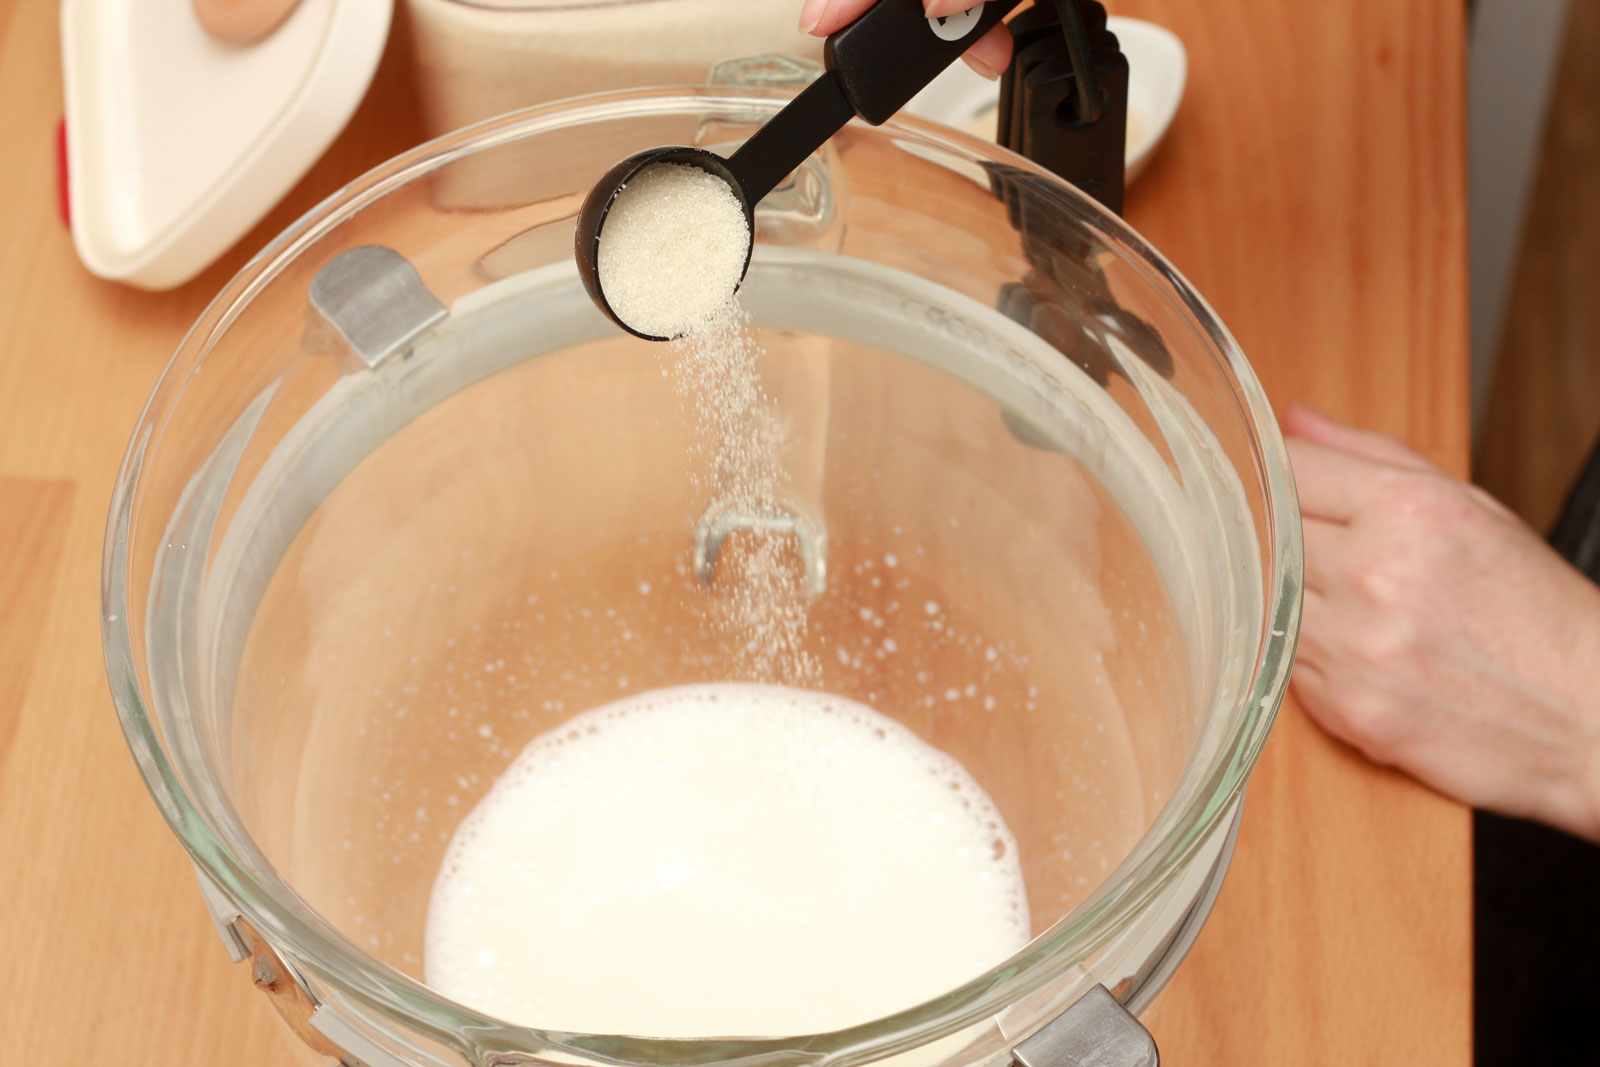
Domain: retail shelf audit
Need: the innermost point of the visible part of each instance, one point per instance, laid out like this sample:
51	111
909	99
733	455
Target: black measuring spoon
875	66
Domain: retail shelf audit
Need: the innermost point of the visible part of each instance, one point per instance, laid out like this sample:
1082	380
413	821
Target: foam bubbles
642	870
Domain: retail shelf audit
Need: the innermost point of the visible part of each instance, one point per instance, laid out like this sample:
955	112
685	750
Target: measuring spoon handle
885	57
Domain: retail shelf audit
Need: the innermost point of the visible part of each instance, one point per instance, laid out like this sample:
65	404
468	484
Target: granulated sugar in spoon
682	219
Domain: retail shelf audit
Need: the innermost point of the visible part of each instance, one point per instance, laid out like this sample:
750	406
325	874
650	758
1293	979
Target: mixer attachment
723	519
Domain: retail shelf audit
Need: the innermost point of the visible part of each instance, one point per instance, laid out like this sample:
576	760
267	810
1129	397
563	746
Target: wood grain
1312	189
33	518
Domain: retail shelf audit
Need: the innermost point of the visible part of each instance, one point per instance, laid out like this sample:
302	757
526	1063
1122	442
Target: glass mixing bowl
403	500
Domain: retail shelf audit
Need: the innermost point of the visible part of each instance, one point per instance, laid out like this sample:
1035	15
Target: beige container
480	59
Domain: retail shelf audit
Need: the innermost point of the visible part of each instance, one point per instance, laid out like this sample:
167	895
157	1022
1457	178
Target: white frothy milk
721	860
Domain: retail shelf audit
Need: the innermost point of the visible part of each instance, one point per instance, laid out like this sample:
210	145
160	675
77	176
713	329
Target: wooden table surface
1312	188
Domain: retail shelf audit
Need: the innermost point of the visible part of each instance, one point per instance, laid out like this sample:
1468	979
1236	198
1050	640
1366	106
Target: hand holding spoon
875	66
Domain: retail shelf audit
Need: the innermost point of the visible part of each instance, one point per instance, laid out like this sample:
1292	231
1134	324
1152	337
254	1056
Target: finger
1309	682
1315	689
1333	485
822	17
1314	680
1312	647
991	54
1311	685
1301	421
1309	671
1324	543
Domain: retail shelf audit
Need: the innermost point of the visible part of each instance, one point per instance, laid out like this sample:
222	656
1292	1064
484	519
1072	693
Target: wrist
1588	786
1584	805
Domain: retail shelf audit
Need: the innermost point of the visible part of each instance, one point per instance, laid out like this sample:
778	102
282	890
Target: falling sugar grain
761	597
671	256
